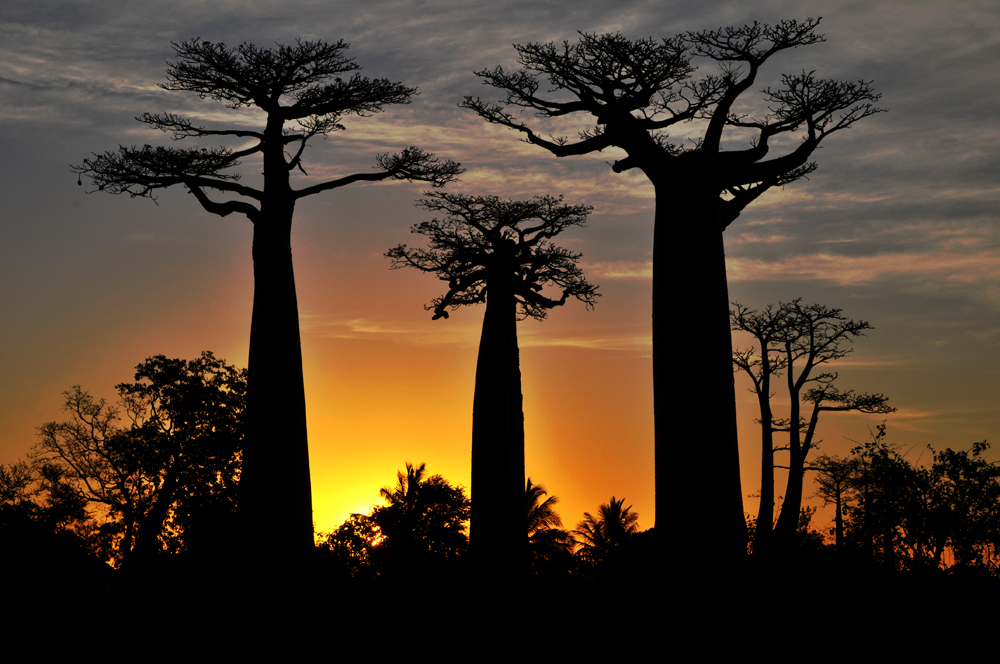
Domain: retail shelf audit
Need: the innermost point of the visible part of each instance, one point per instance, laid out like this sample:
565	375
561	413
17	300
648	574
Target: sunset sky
900	226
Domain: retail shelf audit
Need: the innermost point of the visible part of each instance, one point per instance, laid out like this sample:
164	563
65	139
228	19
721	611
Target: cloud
355	328
642	343
619	269
925	270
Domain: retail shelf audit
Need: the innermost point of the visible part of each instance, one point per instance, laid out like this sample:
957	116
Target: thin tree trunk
788	520
838	542
765	514
275	491
498	538
699	501
151	524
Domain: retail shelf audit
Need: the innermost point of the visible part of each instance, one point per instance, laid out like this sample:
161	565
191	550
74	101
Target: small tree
634	91
835	478
549	546
424	521
420	530
498	252
601	536
803	337
301	94
170	476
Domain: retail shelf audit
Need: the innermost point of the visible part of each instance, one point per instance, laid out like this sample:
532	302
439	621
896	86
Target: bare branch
183	128
413	164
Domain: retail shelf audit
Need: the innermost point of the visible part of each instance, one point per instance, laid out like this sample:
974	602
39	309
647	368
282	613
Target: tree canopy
420	530
167	479
302	84
483	236
634	90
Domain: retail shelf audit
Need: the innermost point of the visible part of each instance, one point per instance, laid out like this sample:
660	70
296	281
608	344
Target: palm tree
598	537
405	491
548	543
425	518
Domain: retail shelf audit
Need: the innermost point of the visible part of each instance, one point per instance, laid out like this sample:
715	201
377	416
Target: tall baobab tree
498	252
633	91
299	93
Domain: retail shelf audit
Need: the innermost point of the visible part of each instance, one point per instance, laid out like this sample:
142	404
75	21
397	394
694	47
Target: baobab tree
299	93
633	91
802	338
498	252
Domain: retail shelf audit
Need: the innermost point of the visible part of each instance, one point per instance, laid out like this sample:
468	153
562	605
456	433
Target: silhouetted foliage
499	252
425	519
601	538
834	479
165	482
908	518
301	92
635	90
350	546
420	531
801	338
550	547
45	537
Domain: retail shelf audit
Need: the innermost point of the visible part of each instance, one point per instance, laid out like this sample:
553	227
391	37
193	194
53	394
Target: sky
899	226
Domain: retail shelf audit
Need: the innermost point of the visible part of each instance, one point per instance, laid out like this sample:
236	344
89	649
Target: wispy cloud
932	269
354	328
640	343
619	270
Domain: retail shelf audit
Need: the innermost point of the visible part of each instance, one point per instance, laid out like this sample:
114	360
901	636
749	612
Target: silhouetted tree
911	518
967	492
498	251
765	326
633	91
599	537
882	482
804	337
835	480
420	530
301	93
44	526
424	522
350	546
36	497
175	464
549	546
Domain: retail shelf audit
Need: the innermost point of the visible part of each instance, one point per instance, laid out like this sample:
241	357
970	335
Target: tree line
156	476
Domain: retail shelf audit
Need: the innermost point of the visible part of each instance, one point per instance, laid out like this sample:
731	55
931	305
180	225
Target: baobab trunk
498	535
275	489
698	493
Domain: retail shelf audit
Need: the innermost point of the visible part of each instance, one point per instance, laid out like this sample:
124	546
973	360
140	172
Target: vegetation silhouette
802	338
634	90
919	519
418	534
300	90
549	546
162	483
498	252
165	482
